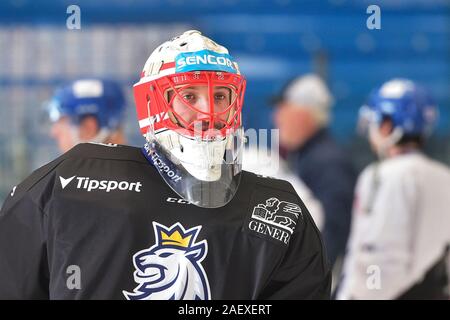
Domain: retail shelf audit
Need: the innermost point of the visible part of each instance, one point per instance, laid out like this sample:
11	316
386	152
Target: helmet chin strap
384	143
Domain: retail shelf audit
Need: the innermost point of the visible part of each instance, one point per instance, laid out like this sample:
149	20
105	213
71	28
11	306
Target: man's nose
202	104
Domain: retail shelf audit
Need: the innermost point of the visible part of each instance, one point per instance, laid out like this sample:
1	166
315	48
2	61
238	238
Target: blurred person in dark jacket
302	116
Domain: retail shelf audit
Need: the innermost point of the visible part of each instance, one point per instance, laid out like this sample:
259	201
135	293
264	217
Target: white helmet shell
166	53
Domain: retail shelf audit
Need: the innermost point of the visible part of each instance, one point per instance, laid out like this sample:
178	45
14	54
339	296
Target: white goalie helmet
189	102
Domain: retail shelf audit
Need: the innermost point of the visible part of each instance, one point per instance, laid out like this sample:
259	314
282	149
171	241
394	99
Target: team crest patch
275	218
171	269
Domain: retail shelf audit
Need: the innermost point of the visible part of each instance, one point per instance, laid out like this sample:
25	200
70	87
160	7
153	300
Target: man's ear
88	128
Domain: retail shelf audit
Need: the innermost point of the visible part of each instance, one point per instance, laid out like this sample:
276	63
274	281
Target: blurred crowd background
273	41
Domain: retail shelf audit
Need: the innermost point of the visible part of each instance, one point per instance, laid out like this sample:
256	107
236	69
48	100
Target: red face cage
161	105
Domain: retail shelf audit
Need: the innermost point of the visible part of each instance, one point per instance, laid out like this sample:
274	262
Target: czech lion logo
171	269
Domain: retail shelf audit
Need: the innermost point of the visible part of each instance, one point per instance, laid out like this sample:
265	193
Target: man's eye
188	97
220	96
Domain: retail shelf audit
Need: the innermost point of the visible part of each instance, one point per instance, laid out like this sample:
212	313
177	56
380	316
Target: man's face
295	124
379	134
67	135
193	105
62	132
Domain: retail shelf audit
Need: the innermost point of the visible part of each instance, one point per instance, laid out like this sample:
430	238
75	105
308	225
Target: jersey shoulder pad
105	151
20	190
273	183
80	151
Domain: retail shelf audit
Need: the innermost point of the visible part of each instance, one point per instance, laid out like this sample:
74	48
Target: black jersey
100	223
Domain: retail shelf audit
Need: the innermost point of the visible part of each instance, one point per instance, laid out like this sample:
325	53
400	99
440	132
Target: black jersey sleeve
29	267
304	272
23	262
23	250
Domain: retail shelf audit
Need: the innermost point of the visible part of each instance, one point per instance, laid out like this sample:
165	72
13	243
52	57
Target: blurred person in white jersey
401	218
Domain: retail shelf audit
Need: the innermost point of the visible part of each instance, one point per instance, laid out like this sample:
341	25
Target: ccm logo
175	200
